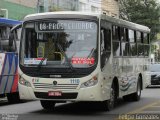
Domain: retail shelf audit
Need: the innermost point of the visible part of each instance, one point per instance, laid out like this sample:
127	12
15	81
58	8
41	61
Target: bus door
105	51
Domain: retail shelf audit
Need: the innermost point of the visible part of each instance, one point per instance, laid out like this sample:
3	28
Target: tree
144	12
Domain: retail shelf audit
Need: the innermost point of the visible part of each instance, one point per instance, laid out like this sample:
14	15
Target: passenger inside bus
51	51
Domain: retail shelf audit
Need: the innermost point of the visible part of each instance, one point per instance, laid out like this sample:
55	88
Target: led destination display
65	25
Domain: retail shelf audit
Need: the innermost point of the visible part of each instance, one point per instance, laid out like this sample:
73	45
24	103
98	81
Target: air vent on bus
56	87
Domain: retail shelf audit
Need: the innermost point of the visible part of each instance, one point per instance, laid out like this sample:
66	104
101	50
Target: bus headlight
90	83
24	82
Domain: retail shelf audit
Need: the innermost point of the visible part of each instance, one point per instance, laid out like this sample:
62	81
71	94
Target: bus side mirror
11	39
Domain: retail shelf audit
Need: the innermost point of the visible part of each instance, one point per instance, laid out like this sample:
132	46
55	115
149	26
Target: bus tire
48	105
13	98
137	95
127	98
110	104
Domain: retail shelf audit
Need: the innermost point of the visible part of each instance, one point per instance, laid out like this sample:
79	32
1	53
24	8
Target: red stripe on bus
15	82
2	70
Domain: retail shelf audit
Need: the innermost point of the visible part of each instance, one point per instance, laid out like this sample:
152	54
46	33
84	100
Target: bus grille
56	87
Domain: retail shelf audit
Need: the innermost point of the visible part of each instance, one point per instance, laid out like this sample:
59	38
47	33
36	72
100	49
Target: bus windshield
59	43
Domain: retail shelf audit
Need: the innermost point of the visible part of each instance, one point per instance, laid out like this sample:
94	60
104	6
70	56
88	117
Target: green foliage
144	12
153	48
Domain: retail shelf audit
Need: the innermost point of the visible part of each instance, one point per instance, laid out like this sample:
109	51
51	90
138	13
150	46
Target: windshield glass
59	43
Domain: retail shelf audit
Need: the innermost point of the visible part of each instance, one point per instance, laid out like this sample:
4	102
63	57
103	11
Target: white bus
75	56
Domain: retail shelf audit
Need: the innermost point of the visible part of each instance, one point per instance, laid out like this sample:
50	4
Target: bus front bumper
83	94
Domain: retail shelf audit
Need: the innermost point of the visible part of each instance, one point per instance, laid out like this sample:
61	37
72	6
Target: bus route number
74	81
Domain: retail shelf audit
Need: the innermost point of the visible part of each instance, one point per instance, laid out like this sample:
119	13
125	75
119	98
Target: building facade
90	5
57	5
17	9
109	7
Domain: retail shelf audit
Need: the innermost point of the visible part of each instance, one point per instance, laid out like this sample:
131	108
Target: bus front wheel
13	98
137	95
47	105
110	104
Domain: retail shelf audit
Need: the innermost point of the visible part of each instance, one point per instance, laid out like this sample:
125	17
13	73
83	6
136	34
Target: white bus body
113	65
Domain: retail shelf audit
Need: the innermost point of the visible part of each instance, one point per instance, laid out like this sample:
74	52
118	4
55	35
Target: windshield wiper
61	49
40	64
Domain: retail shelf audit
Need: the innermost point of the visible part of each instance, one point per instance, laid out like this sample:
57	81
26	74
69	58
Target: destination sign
65	25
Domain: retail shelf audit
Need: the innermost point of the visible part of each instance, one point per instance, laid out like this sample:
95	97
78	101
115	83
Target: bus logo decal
54	82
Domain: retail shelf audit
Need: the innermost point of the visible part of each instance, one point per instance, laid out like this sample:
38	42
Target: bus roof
9	22
72	14
62	13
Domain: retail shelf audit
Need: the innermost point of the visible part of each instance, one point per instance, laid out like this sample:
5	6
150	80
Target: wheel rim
138	89
112	99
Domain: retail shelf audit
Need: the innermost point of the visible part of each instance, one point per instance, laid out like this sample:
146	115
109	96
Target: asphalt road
148	105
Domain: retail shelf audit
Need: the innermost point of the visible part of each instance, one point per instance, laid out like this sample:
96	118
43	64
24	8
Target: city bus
9	60
78	56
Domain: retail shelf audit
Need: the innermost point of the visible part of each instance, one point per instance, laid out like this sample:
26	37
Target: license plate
54	93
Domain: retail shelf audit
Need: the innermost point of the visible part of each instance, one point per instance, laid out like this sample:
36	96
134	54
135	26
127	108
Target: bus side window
116	41
12	41
140	46
14	38
4	39
105	45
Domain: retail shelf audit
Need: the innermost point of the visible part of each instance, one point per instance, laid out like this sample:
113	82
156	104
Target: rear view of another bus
8	61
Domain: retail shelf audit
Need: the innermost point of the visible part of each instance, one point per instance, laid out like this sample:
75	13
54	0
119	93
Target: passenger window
116	49
133	49
146	50
124	41
132	43
138	37
131	36
105	43
125	48
145	38
116	41
107	39
146	44
115	33
4	39
140	49
140	46
123	34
